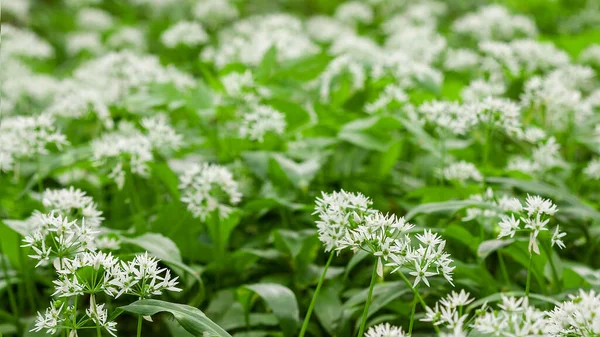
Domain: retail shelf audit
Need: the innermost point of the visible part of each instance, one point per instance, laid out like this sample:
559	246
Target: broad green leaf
445	206
299	174
490	246
462	235
328	308
282	302
191	319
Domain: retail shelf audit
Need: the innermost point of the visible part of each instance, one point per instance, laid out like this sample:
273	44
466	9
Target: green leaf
328	308
191	319
299	174
490	246
445	206
282	302
461	235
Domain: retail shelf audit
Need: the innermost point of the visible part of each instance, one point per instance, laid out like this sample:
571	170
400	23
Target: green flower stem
528	284
503	268
11	295
417	296
555	279
139	326
363	321
412	316
314	298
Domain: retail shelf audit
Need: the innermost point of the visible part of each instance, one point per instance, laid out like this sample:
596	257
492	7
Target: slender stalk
417	296
442	159
139	326
412	316
555	279
11	295
528	284
363	321
503	268
314	298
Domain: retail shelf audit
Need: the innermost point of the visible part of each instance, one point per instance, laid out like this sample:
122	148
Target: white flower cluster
56	238
516	318
419	43
577	317
260	120
592	170
23	137
462	171
74	102
448	312
94	19
523	57
341	70
498	206
215	12
480	89
392	96
494	22
326	29
17	42
208	188
127	38
249	39
461	60
118	74
354	12
129	149
447	117
187	33
84	42
535	215
591	55
346	221
545	157
106	274
72	203
385	330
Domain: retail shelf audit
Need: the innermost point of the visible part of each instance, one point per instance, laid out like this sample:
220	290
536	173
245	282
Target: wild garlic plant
93	275
347	222
533	218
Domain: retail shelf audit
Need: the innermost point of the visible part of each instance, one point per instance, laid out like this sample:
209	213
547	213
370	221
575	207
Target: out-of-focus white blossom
215	12
127	38
461	60
462	171
94	19
354	12
208	188
342	68
23	137
592	170
391	95
78	42
326	29
494	22
18	42
260	120
249	39
591	55
185	33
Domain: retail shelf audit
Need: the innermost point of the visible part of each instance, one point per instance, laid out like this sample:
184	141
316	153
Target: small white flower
508	226
421	273
557	238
